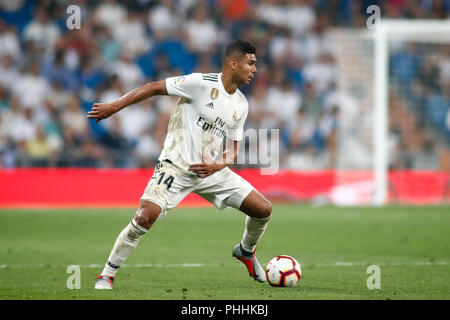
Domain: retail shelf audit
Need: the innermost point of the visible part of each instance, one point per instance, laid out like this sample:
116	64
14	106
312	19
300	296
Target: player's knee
146	214
267	209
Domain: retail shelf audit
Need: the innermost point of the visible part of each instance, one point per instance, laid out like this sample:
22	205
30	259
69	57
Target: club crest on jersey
180	80
235	116
214	93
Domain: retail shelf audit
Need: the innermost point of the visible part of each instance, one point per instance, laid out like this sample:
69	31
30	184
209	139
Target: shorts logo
214	93
180	80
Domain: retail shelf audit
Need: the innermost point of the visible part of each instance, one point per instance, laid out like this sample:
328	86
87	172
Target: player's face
246	68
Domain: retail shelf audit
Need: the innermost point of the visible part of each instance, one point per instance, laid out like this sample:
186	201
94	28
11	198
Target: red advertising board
20	188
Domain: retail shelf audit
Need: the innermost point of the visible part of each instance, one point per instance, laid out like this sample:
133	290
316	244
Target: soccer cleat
104	282
251	262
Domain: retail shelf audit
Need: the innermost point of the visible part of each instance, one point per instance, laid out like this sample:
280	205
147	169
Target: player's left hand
206	168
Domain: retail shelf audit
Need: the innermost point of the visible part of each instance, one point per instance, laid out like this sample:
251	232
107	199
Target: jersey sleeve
184	86
237	132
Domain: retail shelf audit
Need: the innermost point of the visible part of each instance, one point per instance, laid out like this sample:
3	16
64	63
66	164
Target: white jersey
205	114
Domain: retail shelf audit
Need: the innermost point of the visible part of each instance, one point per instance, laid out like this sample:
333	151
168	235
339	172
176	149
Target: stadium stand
50	76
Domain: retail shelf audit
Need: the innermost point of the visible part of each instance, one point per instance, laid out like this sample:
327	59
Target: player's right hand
101	111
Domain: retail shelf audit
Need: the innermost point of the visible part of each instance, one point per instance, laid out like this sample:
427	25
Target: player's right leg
127	241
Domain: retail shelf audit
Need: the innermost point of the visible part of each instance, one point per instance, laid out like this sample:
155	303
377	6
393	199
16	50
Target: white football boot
104	282
254	268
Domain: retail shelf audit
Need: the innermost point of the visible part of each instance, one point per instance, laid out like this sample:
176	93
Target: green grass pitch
187	255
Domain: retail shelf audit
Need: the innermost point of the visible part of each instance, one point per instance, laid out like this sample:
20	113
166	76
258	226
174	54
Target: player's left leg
259	211
227	189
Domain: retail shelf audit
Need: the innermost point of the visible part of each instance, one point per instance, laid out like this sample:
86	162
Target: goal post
380	129
381	95
403	30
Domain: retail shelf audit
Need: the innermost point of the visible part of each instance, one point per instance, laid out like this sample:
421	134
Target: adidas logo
210	105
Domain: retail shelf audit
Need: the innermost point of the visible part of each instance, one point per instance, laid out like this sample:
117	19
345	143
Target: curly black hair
238	46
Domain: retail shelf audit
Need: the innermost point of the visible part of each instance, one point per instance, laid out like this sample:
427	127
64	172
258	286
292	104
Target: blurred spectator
283	99
405	65
131	34
311	104
129	74
184	6
54	69
90	74
58	97
317	41
116	144
285	48
12	5
302	132
259	115
41	30
270	12
148	148
8	72
19	123
74	119
4	104
76	44
162	19
134	121
30	87
234	10
162	67
91	155
298	16
110	13
113	90
108	45
9	41
38	149
328	132
439	9
322	73
291	102
202	32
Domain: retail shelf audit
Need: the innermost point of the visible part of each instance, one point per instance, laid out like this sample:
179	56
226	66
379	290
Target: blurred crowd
50	75
420	74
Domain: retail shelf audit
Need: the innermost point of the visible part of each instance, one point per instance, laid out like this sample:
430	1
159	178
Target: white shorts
170	184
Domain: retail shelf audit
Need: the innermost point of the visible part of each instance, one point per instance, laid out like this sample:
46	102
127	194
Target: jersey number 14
168	181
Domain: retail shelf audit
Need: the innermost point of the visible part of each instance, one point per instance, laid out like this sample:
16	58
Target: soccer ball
283	271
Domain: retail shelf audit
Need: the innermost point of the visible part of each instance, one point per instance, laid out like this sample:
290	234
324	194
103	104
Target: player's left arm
209	166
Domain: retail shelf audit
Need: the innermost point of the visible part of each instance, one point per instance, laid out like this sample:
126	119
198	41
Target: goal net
393	94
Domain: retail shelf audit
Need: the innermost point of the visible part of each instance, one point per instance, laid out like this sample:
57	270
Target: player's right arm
182	86
101	111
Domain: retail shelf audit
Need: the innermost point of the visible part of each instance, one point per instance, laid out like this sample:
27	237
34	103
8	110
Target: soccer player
210	108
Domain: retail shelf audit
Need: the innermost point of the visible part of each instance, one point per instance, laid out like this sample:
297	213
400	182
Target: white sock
254	230
125	244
